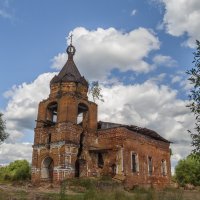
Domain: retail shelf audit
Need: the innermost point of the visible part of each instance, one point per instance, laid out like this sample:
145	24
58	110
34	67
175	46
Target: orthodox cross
71	38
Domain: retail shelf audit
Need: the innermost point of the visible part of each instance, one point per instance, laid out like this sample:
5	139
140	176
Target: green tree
188	171
3	134
194	97
95	90
17	170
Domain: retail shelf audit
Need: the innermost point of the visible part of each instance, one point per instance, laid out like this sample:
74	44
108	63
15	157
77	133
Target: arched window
52	110
82	114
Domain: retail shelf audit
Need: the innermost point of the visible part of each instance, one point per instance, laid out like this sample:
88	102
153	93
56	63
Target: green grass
20	194
98	189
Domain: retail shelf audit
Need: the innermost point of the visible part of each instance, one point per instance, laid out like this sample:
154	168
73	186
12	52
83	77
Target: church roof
69	72
143	131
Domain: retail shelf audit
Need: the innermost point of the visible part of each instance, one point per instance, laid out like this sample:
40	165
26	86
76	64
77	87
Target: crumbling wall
63	149
122	143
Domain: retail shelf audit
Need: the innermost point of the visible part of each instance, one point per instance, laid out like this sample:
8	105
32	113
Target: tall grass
105	188
97	189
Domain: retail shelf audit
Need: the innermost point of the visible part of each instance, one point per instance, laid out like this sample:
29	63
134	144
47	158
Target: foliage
15	171
95	90
194	97
3	134
188	171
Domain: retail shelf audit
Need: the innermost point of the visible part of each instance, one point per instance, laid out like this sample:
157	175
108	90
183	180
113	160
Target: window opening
82	114
134	162
150	165
164	167
100	160
49	138
48	141
52	113
80	118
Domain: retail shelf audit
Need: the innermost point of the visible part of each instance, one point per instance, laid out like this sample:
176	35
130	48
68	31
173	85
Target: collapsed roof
143	131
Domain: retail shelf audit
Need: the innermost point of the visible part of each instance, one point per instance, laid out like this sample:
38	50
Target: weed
121	195
62	191
90	195
170	194
22	194
82	182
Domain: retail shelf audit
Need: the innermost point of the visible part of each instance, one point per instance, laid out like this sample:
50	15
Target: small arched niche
82	116
47	169
52	112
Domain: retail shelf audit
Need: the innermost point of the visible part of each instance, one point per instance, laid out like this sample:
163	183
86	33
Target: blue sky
139	49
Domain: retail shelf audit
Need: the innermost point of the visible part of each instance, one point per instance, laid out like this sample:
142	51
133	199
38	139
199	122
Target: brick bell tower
65	123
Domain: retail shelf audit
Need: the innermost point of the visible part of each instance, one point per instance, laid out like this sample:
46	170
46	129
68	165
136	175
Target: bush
15	171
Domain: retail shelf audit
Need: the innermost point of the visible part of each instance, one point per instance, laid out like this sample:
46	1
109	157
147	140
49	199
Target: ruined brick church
70	142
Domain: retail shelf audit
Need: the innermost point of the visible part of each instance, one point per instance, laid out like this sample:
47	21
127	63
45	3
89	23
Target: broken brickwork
70	142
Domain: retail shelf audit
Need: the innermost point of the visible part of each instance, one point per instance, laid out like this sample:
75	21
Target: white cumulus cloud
10	152
21	110
182	18
162	60
181	79
101	50
20	115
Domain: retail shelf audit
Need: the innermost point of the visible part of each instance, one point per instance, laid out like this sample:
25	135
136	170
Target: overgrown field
90	189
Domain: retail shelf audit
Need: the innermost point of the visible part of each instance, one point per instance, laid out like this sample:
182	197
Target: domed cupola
70	72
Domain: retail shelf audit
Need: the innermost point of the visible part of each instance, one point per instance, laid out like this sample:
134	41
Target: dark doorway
77	168
100	160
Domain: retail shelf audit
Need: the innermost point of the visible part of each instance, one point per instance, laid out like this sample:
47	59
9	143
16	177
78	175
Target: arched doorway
47	169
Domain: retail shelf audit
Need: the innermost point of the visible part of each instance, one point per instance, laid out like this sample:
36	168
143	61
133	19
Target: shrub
17	170
188	171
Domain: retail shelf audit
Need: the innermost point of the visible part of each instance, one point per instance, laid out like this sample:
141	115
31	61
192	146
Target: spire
69	72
